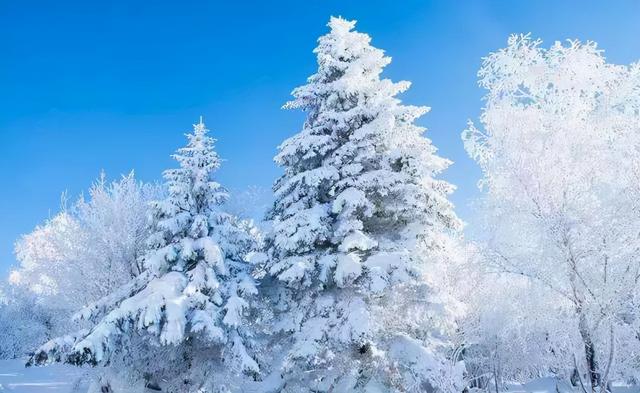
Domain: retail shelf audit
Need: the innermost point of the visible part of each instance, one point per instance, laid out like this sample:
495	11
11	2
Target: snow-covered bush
359	223
559	149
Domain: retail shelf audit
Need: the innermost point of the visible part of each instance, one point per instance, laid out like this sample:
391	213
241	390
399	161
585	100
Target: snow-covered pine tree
189	304
358	222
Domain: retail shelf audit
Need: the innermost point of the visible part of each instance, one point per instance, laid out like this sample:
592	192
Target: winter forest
360	276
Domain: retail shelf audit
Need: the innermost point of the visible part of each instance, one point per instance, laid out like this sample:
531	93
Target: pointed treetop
200	127
341	24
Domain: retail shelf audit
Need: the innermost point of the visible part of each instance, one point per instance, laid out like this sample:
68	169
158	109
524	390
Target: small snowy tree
559	154
359	222
184	314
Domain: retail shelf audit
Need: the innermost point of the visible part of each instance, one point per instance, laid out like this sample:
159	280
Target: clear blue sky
113	85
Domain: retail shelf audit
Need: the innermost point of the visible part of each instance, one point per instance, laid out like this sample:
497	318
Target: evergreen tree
190	302
358	224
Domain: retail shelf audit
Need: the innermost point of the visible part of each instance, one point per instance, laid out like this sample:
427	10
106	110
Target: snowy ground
552	385
15	378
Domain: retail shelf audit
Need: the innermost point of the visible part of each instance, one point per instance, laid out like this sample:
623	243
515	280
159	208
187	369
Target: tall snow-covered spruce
190	302
360	225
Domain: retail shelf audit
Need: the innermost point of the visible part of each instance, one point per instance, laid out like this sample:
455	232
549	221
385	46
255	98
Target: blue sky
87	86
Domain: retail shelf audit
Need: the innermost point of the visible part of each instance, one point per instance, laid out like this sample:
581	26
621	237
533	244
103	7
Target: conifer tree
358	224
190	302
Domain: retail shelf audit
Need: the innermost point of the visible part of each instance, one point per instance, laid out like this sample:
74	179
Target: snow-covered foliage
25	321
78	256
359	222
363	282
558	149
508	316
186	312
89	249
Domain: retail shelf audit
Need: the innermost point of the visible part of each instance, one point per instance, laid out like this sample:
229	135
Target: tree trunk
575	378
590	353
105	386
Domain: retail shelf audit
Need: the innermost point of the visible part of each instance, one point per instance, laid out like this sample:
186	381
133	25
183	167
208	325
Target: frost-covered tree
80	255
183	318
508	316
559	150
116	219
26	321
48	255
89	248
358	225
